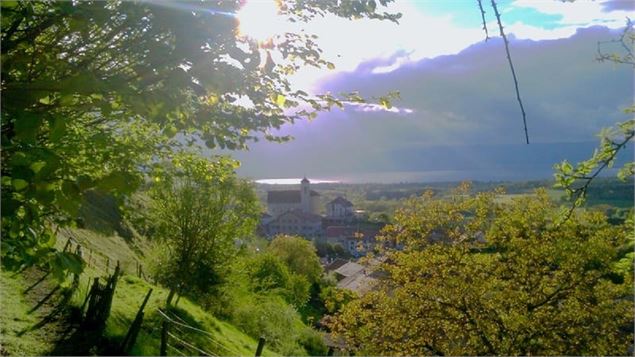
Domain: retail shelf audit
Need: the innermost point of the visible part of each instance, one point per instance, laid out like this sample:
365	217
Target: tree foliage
93	91
270	275
299	254
478	277
199	208
576	179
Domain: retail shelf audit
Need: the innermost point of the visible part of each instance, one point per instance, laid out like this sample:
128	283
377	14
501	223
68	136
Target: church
304	200
293	212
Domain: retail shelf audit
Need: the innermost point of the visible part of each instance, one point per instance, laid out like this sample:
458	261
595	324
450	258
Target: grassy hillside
28	330
39	316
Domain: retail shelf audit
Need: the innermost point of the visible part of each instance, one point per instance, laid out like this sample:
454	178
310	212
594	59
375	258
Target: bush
313	342
271	317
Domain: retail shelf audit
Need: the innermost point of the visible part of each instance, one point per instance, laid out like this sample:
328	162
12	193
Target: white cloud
582	13
524	31
348	43
372	107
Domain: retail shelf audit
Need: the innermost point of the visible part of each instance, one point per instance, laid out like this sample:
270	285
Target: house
356	277
340	209
295	222
356	241
334	264
305	200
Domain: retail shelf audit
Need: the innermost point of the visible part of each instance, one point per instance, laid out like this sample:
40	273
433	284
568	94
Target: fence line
100	261
192	347
176	349
208	336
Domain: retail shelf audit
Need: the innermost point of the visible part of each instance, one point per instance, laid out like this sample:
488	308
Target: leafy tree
478	277
270	275
299	254
94	91
199	209
334	298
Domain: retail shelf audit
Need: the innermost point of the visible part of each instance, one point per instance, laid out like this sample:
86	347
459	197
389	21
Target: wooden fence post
164	338
68	243
261	345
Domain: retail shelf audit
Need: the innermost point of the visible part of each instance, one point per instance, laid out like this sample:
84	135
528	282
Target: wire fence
99	261
180	335
180	332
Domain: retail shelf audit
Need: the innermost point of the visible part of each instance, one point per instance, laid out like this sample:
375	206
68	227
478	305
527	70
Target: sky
457	111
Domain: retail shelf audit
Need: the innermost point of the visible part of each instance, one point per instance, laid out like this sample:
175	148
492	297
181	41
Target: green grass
15	321
222	338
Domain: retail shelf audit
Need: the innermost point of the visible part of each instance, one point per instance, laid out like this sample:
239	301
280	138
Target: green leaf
280	100
27	126
19	184
385	103
58	130
9	4
46	100
37	166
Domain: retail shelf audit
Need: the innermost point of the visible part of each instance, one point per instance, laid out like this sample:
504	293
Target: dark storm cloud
618	5
464	112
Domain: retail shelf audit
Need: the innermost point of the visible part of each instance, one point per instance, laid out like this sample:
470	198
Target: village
296	212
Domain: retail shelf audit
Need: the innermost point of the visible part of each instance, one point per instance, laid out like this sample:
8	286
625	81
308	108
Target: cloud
464	112
618	5
580	13
422	33
374	108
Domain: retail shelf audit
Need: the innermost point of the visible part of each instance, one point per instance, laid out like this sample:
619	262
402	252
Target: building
358	242
295	222
305	200
358	278
340	209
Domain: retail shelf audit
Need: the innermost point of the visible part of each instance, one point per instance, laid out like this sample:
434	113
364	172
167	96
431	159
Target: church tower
305	195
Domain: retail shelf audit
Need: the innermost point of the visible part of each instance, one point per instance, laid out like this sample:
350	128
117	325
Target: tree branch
511	66
480	6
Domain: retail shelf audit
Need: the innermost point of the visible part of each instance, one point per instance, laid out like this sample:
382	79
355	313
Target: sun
259	20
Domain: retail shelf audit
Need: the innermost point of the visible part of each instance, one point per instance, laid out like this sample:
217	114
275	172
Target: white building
295	222
340	209
304	200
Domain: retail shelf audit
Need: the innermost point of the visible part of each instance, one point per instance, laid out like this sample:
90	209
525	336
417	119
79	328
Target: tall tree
200	208
93	91
478	277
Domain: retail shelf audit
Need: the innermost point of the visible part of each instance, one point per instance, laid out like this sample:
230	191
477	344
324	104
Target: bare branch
480	6
511	66
626	41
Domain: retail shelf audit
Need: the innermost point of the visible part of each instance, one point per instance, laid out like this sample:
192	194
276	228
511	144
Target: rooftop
286	196
349	269
341	201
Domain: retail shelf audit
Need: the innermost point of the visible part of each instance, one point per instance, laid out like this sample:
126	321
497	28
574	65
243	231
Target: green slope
32	323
